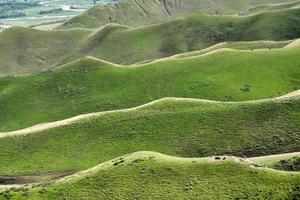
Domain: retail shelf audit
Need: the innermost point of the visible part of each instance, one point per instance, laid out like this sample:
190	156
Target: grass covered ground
90	85
148	175
287	162
36	51
187	128
139	12
24	50
189	34
250	45
223	69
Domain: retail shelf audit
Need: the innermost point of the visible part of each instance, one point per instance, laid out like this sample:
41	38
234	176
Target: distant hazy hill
141	12
270	7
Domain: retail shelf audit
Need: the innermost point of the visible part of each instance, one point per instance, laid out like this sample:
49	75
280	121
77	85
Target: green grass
137	12
270	7
35	51
182	128
288	162
127	46
90	86
292	164
25	50
147	175
189	128
253	45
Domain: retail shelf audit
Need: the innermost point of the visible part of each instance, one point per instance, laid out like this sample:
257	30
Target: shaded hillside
141	12
24	50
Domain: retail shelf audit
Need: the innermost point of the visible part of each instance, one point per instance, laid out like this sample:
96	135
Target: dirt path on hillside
7	182
51	125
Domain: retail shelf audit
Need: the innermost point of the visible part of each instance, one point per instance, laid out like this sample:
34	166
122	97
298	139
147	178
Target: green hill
127	46
139	12
212	85
36	51
24	50
253	45
181	127
90	85
149	175
270	7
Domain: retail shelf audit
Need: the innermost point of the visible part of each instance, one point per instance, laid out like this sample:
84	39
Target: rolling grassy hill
270	7
181	127
140	12
188	34
149	175
253	45
35	51
99	100
91	85
24	50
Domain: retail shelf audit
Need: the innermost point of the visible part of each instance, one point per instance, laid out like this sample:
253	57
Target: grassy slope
183	128
24	50
90	85
147	175
35	50
126	45
253	45
139	12
270	7
289	162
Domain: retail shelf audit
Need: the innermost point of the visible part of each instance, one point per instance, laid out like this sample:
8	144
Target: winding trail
142	155
51	125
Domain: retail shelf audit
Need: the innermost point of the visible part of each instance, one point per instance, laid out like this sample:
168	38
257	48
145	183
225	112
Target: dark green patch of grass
292	164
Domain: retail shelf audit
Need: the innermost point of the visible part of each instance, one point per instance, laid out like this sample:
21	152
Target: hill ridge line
179	56
55	124
294	43
160	157
163	156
